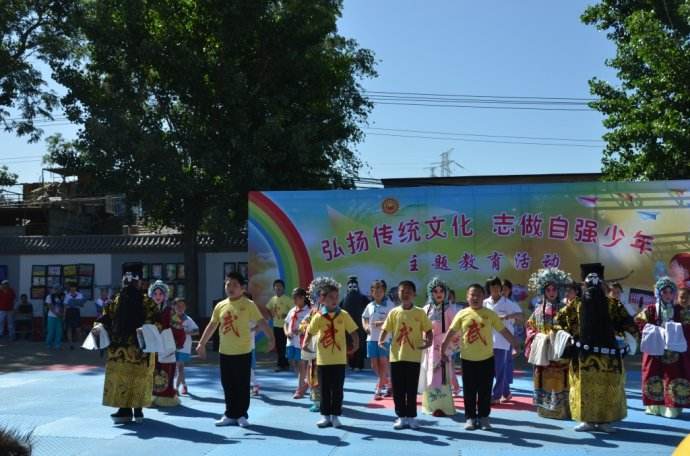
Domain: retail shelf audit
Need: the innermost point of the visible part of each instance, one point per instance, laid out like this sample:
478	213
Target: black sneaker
138	416
122	416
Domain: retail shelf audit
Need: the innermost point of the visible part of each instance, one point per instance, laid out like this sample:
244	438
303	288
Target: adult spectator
73	302
7	299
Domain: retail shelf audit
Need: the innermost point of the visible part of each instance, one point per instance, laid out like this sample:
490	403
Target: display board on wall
173	274
46	277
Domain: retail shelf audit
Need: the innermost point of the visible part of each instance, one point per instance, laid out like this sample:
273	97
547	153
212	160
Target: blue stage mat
62	409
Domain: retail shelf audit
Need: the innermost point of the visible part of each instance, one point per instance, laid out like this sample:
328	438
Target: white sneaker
399	424
335	422
242	421
324	422
413	423
584	427
225	421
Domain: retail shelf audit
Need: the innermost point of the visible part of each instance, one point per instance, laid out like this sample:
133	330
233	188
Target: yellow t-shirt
477	342
407	328
331	330
279	308
233	318
683	448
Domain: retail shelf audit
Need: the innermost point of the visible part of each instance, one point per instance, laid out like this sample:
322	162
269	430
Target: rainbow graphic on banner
288	249
292	257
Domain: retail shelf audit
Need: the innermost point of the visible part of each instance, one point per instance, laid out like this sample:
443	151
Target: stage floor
60	404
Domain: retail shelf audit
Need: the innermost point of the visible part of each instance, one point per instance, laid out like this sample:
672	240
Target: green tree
187	105
648	115
30	30
6	177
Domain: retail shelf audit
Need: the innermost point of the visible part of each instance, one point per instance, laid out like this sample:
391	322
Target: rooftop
109	244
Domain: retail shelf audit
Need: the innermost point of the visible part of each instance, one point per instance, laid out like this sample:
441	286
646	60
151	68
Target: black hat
588	268
132	271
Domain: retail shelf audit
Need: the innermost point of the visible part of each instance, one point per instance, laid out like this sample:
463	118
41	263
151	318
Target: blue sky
505	48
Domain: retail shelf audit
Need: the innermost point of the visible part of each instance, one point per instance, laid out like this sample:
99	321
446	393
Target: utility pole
444	165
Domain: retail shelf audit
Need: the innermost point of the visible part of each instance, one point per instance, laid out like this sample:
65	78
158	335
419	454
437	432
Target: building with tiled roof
34	264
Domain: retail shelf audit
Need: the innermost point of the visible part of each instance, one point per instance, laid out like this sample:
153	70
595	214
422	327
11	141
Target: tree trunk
191	266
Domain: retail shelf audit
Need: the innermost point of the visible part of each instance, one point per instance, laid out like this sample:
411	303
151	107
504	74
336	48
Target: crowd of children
412	350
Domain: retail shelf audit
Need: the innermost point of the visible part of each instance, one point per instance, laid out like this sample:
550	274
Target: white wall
210	266
102	275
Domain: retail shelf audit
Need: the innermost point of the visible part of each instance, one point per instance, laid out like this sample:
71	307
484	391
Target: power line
25	161
19	157
468	101
539	138
54	124
477	100
42	119
510	108
586	146
383	92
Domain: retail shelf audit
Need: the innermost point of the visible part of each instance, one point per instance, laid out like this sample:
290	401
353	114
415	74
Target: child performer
332	325
294	339
474	324
455	346
509	312
435	371
254	386
411	333
182	323
164	392
309	355
233	316
372	319
279	305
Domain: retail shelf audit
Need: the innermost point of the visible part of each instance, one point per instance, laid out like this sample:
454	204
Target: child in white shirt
374	315
182	326
294	336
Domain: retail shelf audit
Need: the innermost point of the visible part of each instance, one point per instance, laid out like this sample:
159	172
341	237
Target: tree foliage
31	30
6	177
187	105
648	115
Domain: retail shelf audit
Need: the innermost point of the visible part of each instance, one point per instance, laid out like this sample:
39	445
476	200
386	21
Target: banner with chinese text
464	234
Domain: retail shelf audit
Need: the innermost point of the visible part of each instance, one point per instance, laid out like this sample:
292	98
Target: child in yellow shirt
411	333
331	325
234	316
474	325
279	305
